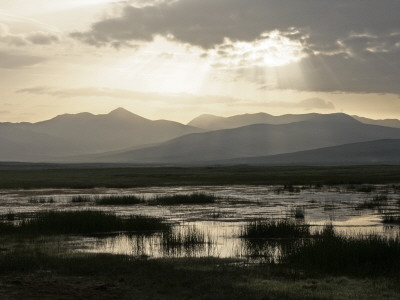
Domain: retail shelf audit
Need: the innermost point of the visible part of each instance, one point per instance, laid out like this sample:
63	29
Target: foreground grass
81	222
78	176
38	276
195	198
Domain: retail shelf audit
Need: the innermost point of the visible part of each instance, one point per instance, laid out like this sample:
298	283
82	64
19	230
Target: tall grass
185	240
388	219
376	202
119	200
298	212
331	253
272	229
41	200
195	198
81	222
81	199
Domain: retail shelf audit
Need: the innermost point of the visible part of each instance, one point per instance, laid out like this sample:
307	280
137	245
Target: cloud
206	23
346	46
42	38
36	38
13	60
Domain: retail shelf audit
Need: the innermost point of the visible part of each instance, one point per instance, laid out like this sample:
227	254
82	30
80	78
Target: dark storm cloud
13	61
206	23
350	45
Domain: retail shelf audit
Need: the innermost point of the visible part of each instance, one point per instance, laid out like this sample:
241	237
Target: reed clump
185	240
119	200
81	222
273	229
194	198
328	252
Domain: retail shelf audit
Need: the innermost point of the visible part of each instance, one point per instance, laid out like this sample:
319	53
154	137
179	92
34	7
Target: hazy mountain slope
386	122
259	140
114	131
19	144
374	152
210	122
84	133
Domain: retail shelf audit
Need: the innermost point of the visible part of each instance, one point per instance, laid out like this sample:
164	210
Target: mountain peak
120	111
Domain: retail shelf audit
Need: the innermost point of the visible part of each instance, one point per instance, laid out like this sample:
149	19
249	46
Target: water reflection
214	229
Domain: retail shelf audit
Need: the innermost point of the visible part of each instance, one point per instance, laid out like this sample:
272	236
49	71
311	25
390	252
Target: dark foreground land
89	176
96	276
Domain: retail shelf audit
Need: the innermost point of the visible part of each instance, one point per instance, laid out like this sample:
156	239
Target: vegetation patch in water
328	252
272	229
41	200
376	202
81	199
81	222
388	219
185	241
195	198
119	200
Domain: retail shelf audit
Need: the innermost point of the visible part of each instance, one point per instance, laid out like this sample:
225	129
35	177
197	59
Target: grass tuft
387	219
41	200
330	253
81	222
266	229
188	240
81	199
195	198
119	200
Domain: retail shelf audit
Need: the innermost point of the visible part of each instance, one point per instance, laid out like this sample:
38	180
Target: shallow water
220	223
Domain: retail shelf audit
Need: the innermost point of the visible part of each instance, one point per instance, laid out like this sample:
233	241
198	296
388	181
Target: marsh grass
81	222
390	219
365	188
119	200
298	212
376	202
81	199
185	240
195	198
274	229
328	252
41	200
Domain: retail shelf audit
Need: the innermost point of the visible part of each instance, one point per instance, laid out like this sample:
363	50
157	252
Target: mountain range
124	137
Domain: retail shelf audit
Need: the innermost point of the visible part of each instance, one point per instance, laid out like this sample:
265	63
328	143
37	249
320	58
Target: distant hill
84	133
258	140
211	122
386	122
374	152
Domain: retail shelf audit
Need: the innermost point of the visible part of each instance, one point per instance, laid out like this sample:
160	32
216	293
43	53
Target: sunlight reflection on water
220	222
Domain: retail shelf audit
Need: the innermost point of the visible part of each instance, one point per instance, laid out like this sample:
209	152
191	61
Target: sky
177	59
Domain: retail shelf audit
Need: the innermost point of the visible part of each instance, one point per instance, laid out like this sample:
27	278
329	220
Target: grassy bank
39	276
72	176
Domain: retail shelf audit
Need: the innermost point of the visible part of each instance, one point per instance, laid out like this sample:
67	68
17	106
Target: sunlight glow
270	50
